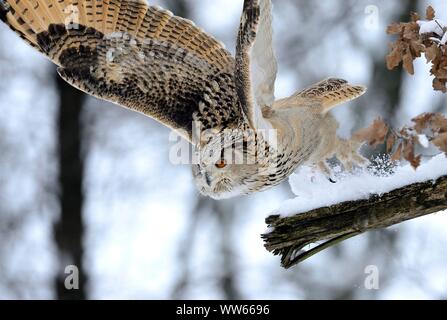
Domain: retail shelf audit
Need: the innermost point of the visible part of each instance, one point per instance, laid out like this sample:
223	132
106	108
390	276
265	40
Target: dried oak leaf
410	44
440	85
374	134
394	28
441	73
395	57
438	123
441	142
408	62
409	153
432	52
417	48
422	122
390	142
397	156
430	13
411	31
415	17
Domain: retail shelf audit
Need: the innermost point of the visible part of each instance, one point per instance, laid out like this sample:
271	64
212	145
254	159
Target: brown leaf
441	74
410	45
411	31
430	13
408	63
432	52
417	48
415	16
397	156
395	57
441	142
438	123
374	134
416	162
439	85
394	28
390	141
422	122
409	154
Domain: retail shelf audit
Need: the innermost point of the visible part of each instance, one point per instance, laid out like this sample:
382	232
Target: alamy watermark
372	18
71	277
372	280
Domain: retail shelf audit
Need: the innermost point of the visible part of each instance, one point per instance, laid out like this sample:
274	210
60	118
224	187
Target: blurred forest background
88	183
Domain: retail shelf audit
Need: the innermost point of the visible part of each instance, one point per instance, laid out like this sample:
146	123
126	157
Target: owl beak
208	179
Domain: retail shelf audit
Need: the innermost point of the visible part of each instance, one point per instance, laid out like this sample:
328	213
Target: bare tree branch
69	229
340	222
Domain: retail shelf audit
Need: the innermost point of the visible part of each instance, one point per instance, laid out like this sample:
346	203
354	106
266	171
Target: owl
146	59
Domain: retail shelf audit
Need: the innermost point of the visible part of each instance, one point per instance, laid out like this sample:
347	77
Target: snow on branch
327	226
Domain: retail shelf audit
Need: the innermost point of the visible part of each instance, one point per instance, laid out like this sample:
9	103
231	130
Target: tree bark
340	222
69	229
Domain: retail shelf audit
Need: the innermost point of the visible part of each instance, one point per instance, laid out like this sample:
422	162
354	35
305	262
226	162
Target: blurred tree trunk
387	88
69	228
387	85
223	212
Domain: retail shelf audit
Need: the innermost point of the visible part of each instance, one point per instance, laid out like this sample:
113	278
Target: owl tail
42	22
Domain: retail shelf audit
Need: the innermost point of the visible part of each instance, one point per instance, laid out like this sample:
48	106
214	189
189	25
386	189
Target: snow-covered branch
290	235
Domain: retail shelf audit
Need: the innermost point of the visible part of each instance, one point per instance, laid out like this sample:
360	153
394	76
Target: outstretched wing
139	56
256	65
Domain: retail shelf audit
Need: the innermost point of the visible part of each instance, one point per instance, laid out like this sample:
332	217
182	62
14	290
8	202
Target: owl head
230	165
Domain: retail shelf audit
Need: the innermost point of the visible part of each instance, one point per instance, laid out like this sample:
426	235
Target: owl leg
348	154
324	168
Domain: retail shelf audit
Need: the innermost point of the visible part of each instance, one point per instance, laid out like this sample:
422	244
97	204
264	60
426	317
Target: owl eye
221	164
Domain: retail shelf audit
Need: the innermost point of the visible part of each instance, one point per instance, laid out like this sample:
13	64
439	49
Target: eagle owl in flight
148	60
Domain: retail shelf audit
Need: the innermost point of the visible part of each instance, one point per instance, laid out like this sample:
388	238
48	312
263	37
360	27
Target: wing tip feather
4	9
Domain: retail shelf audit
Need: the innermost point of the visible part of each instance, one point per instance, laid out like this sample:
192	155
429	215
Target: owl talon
324	168
348	154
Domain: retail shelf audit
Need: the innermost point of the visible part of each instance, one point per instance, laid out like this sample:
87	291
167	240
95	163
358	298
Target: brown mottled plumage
146	59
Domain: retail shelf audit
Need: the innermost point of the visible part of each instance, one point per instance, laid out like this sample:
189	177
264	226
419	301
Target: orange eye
221	164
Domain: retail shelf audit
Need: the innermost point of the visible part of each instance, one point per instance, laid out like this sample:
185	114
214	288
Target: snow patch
433	26
423	140
444	39
322	193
